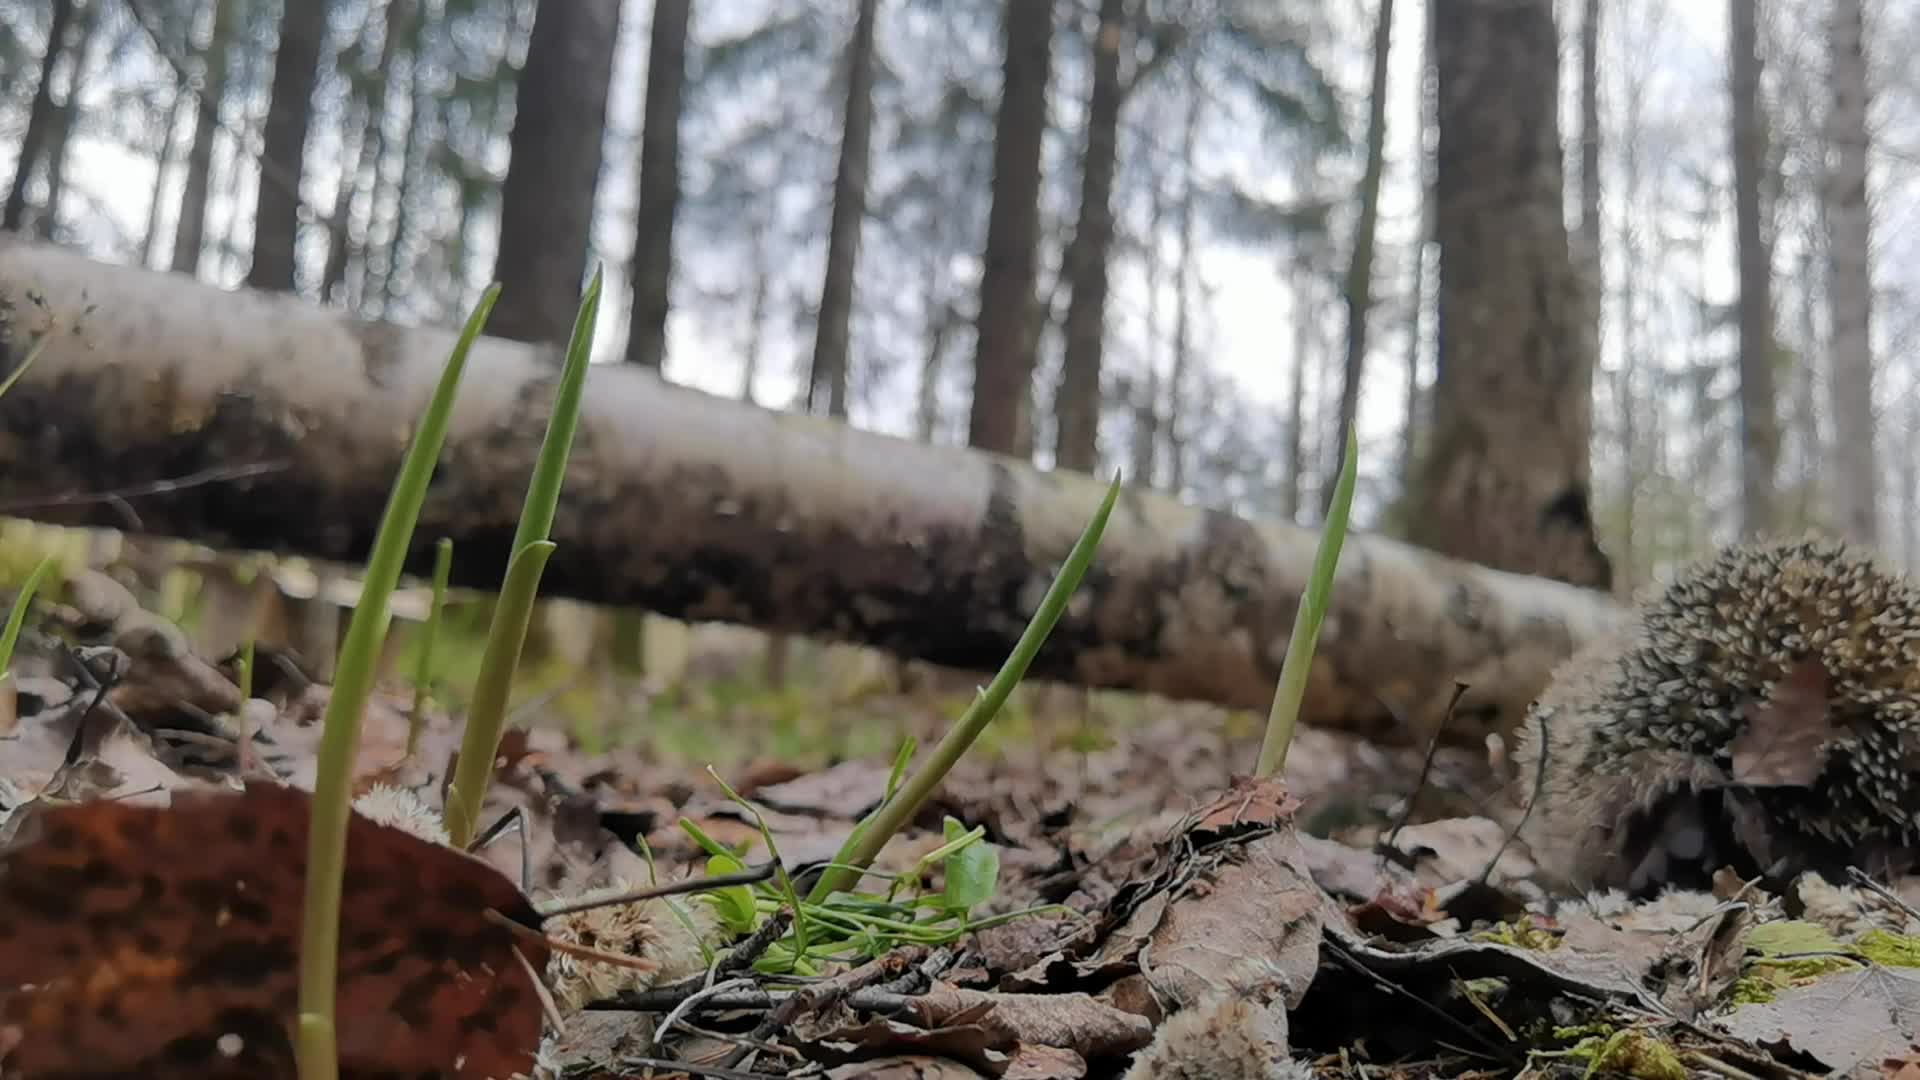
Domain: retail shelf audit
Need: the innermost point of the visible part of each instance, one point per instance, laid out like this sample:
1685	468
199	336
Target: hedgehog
1760	713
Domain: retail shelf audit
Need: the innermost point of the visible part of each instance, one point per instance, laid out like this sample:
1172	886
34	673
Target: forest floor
1131	901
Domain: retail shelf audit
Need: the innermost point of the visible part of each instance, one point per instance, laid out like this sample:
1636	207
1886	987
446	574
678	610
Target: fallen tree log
704	508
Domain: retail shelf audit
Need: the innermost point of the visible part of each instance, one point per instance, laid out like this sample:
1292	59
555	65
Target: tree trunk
1759	422
276	215
190	227
68	113
1003	358
833	326
1175	425
150	238
1359	286
362	185
1849	282
40	118
1589	252
1293	455
1076	408
1506	479
659	183
701	507
1411	427
546	202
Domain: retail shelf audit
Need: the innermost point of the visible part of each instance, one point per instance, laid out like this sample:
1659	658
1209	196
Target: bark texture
1003	358
276	215
1506	479
701	507
546	201
833	330
190	227
40	117
1759	418
1077	407
659	183
1850	281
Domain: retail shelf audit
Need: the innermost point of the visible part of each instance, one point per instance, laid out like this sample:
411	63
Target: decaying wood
706	508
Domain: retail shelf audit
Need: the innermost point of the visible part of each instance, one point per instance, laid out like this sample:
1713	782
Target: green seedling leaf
33	353
340	733
707	843
972	872
1306	622
487	717
17	617
734	903
865	842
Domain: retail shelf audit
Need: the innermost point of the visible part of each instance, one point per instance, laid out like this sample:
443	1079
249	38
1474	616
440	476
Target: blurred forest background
1187	238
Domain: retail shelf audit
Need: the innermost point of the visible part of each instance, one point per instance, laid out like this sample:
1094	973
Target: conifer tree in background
553	171
276	214
659	183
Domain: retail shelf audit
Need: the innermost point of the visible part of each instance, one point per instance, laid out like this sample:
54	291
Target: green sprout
17	617
487	716
1306	623
872	833
340	736
423	672
246	669
33	353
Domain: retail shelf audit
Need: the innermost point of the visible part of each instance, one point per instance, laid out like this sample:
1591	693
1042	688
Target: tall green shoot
17	617
423	672
487	716
1292	690
872	834
340	736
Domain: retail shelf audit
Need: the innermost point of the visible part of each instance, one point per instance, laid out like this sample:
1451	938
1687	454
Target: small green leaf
1787	937
734	904
972	871
707	843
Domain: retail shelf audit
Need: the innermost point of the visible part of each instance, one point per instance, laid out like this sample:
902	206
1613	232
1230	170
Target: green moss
1521	933
1891	950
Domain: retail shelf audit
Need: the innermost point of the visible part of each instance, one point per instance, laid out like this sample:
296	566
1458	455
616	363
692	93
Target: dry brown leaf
1785	741
1846	1020
906	1067
132	939
1078	1022
1254	926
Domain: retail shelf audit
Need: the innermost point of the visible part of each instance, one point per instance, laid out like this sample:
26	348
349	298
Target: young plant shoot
340	735
1306	622
487	717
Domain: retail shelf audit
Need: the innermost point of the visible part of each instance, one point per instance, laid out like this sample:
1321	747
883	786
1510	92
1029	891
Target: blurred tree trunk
276	215
659	183
86	37
1003	360
1507	476
362	185
546	202
377	294
1629	571
1759	420
827	376
190	226
40	117
163	163
1849	281
1411	425
1076	408
1300	277
1359	287
1183	271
